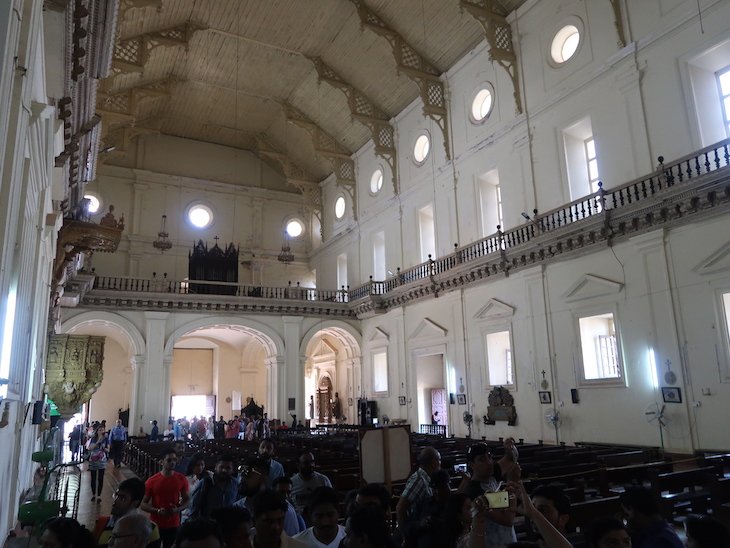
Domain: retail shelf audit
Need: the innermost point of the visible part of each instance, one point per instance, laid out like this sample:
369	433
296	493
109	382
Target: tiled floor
89	511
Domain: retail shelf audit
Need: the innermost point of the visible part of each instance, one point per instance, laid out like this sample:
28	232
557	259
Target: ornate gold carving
73	370
411	63
499	37
363	110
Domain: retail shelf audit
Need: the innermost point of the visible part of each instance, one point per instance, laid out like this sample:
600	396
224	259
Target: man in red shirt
165	496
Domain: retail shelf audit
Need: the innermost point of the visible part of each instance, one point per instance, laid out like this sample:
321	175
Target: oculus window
421	148
340	207
565	43
200	215
481	106
600	348
376	181
294	228
94	203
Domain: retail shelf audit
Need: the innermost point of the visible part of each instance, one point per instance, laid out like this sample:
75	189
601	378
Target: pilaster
154	378
291	380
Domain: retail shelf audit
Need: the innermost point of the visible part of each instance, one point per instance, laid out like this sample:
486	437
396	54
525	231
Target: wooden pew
684	491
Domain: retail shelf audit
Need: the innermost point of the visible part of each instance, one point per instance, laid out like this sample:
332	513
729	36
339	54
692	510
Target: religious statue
311	407
337	407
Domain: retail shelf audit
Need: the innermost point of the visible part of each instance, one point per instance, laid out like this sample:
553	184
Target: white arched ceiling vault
113	325
271	341
340	333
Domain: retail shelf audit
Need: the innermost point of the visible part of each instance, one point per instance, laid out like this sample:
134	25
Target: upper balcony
686	190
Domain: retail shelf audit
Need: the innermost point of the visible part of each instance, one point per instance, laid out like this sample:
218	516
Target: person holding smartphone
499	521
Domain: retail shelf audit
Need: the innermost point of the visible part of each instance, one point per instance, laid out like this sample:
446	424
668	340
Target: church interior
479	218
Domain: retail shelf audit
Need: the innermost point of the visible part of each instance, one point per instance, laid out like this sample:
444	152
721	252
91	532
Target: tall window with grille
592	163
600	348
723	85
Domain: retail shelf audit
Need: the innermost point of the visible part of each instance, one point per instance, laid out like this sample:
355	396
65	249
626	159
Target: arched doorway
217	365
115	397
332	372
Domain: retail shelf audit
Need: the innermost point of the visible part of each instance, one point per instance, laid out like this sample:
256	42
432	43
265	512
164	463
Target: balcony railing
674	183
601	204
200	287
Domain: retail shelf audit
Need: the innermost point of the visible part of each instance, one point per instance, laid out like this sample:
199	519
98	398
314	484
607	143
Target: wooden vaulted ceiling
239	62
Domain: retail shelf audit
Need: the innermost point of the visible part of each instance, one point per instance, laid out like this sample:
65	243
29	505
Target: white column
272	405
153	389
135	421
291	378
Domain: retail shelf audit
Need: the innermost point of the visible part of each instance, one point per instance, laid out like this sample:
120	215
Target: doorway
431	392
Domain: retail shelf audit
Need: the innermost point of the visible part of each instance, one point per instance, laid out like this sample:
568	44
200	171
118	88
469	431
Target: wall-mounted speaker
574	395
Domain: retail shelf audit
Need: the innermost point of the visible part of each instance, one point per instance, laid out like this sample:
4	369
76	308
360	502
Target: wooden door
440	404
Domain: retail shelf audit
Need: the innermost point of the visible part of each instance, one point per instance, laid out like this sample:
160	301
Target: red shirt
166	492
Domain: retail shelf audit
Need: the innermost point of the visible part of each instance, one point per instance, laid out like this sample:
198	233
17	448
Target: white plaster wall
116	385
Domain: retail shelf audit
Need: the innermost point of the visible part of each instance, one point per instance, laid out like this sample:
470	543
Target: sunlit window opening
376	181
200	216
294	228
482	105
592	163
340	207
723	83
94	203
565	43
421	148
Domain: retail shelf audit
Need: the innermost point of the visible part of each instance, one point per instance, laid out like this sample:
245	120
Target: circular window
565	43
481	106
376	181
421	148
294	228
200	216
94	203
340	207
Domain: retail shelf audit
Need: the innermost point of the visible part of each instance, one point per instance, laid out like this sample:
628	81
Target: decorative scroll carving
78	236
128	5
131	54
416	67
363	110
501	407
499	37
73	370
295	175
618	22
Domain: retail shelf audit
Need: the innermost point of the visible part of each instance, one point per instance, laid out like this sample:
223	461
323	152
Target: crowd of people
255	427
255	504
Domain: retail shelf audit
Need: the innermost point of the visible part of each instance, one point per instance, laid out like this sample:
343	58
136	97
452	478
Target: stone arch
350	337
128	329
268	337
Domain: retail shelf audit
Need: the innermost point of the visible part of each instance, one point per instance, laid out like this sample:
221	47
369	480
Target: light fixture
286	256
162	242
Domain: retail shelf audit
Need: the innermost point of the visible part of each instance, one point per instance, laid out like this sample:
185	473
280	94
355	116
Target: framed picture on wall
402	400
671	394
546	397
461	399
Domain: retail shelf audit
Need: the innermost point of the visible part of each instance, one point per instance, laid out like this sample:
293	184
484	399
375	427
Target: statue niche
213	265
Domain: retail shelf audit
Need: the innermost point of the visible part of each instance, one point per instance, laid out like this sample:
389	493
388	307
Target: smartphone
458	468
498	499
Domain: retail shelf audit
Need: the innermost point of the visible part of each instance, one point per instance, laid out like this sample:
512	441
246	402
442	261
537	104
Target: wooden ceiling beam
414	65
325	146
364	110
131	54
296	176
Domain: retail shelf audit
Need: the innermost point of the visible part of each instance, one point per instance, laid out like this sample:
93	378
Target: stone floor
89	511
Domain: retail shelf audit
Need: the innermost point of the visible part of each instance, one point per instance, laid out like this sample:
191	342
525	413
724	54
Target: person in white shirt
325	532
